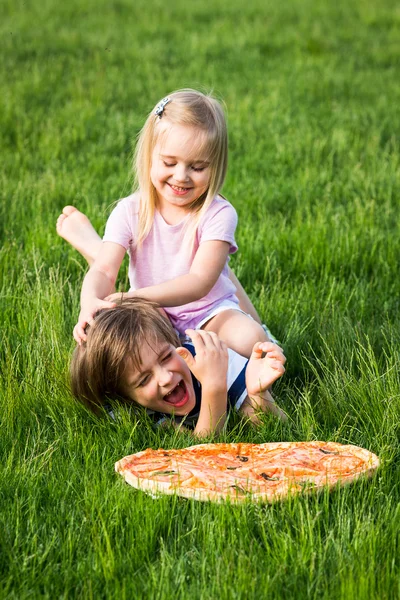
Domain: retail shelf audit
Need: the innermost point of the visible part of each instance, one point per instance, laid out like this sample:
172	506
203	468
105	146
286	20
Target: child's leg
75	228
237	330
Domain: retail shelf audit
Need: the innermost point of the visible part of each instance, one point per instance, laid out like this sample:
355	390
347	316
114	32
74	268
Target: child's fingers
277	365
107	304
195	336
207	338
211	339
270	349
113	297
276	354
257	351
79	333
186	355
269	346
199	336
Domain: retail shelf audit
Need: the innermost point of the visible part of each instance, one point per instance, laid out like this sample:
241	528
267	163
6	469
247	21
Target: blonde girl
176	227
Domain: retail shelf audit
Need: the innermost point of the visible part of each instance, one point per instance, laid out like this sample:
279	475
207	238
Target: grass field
312	94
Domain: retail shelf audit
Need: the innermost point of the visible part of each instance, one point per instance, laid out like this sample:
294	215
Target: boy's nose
164	377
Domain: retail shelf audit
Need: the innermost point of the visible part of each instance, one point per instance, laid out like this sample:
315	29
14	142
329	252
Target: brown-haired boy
132	352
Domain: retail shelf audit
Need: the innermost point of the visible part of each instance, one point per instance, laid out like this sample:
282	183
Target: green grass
312	94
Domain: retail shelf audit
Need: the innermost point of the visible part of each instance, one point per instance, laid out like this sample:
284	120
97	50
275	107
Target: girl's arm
207	266
209	366
98	283
244	301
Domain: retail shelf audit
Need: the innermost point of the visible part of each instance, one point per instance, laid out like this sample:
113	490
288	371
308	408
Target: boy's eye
143	381
167	356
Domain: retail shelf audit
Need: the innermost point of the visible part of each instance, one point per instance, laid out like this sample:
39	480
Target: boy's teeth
176	395
169	393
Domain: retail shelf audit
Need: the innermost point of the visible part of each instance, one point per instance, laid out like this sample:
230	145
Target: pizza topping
268	478
327	451
164	473
243	458
232	468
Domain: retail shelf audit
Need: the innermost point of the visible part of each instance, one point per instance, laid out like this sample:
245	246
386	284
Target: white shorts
228	305
225	305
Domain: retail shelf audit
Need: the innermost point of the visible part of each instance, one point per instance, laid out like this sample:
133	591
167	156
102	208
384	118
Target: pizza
237	472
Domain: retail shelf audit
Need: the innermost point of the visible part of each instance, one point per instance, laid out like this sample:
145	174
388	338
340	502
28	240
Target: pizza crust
239	472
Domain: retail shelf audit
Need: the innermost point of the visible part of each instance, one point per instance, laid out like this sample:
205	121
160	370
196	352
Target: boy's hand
261	372
210	365
86	316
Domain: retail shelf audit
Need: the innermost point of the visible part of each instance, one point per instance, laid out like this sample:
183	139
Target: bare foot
75	228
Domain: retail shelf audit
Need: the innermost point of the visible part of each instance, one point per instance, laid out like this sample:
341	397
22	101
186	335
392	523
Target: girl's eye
168	164
167	357
198	169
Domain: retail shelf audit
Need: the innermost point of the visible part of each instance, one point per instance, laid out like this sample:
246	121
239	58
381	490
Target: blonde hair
190	108
116	335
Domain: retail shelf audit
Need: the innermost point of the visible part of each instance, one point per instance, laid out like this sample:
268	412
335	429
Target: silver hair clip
161	105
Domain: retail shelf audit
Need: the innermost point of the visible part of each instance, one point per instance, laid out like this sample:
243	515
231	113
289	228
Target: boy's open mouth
178	396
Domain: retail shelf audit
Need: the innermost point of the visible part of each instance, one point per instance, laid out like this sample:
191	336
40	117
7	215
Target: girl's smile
180	171
179	191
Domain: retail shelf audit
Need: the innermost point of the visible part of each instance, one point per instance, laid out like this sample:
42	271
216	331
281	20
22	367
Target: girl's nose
180	173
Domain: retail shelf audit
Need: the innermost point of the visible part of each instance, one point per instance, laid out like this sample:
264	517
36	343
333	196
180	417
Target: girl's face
180	170
164	382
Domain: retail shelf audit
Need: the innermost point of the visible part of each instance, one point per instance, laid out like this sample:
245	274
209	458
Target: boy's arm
209	366
99	281
207	266
265	366
212	416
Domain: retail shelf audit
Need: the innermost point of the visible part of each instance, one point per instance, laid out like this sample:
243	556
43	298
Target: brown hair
116	334
191	108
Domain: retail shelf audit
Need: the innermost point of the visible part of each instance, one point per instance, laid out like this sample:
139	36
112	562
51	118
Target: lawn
312	95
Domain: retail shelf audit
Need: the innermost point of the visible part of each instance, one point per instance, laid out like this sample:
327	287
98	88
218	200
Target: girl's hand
86	317
261	372
119	296
210	365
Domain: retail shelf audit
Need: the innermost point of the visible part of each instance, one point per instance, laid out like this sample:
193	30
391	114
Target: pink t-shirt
164	256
